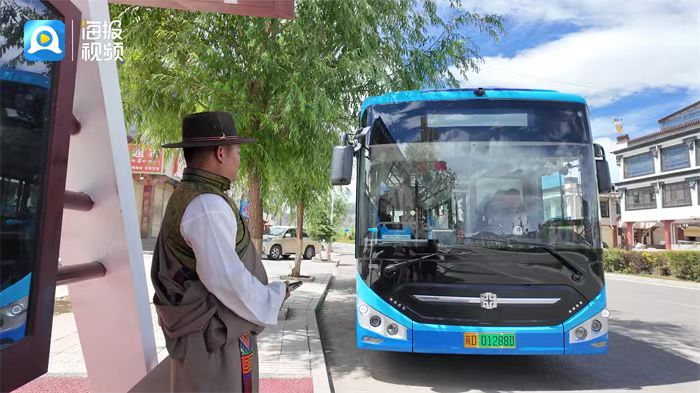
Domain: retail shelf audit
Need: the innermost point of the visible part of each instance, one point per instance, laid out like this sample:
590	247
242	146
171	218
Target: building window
604	209
617	208
677	194
641	198
675	157
642	164
697	152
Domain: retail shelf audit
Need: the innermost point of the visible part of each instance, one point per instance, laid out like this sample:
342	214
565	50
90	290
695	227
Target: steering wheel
487	235
494	229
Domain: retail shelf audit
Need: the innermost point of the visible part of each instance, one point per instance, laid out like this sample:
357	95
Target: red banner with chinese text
145	159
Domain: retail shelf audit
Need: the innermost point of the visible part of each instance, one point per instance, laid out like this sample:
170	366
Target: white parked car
281	242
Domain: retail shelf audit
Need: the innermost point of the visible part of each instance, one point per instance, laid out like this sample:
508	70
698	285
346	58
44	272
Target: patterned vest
196	182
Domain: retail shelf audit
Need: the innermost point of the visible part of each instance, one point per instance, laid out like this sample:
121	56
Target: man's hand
286	295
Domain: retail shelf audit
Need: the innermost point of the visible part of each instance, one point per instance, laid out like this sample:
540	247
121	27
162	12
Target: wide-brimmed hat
209	129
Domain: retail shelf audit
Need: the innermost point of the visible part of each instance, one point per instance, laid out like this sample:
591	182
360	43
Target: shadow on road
632	363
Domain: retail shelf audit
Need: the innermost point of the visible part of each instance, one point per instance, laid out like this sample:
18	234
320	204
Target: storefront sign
145	159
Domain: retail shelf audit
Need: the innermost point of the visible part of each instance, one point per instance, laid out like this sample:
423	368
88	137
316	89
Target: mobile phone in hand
294	285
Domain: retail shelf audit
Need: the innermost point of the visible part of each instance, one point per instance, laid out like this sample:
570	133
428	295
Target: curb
319	370
653	281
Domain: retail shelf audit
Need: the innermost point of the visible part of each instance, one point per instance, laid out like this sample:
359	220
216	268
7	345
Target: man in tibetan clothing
211	291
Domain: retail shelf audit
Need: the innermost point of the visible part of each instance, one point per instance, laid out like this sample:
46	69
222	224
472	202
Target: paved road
654	339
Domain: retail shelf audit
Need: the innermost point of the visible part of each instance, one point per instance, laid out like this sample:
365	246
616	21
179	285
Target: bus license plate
489	340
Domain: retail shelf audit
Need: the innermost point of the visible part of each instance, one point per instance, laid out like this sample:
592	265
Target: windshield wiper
393	268
440	255
544	246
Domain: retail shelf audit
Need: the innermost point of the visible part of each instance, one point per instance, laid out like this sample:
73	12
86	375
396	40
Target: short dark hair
195	155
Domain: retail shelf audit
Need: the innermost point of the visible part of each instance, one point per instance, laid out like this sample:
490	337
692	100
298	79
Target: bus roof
469	94
26	77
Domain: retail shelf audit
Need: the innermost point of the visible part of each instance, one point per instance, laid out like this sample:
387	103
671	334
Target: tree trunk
296	271
256	212
324	251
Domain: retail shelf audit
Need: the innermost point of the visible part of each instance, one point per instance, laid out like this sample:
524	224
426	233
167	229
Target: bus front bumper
450	339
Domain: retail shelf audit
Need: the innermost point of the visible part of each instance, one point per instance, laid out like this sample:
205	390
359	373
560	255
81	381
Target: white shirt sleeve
209	227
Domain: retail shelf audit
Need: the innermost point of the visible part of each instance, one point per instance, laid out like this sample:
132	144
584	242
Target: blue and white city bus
23	106
477	223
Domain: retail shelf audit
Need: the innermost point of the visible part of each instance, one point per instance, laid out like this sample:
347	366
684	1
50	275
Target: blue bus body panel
16	291
449	339
11	294
596	346
386	344
545	340
374	301
13	335
468	94
594	307
25	77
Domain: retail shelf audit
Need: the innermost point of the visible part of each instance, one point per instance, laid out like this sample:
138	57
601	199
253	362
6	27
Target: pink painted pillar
667	233
630	235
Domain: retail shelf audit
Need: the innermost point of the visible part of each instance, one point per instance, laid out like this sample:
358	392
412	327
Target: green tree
12	14
326	215
293	84
368	48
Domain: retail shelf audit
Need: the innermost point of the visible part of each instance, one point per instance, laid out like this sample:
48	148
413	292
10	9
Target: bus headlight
14	314
378	323
593	328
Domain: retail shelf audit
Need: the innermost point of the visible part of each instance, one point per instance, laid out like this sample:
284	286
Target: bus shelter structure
89	214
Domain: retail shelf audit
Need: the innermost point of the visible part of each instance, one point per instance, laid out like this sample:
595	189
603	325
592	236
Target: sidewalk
291	357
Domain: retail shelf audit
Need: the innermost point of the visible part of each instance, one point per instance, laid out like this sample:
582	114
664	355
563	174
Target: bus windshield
454	172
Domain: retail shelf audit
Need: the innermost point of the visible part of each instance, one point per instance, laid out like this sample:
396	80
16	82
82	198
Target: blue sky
644	105
638	60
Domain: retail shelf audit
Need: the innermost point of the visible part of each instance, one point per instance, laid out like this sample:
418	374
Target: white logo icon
36	45
489	300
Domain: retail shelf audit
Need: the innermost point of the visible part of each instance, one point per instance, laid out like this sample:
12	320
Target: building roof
664	133
468	94
678	111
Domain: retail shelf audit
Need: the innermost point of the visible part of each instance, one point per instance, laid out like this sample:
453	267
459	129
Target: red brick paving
54	384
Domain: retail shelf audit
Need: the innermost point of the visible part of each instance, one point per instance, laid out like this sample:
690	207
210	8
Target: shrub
635	262
658	263
612	260
684	265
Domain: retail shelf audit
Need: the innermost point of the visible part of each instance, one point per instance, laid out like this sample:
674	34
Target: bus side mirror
602	170
341	165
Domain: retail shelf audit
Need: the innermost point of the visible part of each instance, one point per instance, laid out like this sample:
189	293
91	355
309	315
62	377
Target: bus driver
505	212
